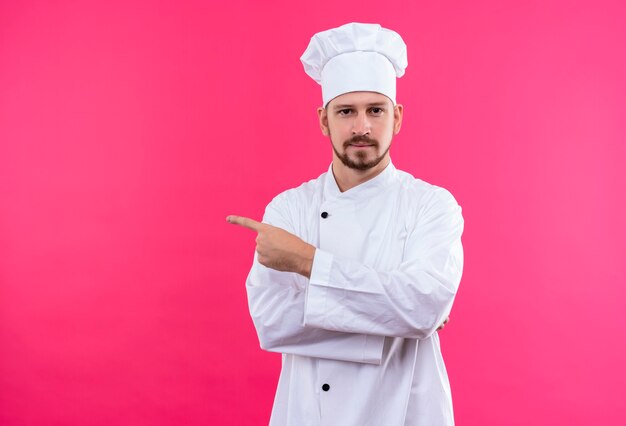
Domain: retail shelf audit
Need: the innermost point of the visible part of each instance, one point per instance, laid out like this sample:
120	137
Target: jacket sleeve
276	301
409	301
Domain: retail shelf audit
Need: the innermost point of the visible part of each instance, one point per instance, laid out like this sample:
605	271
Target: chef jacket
358	338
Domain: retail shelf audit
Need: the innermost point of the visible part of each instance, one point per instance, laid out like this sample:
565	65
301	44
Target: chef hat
356	57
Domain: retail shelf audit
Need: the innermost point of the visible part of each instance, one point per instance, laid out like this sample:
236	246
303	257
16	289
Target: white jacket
358	338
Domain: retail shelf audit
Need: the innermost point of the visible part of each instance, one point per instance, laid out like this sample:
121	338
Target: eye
345	111
376	111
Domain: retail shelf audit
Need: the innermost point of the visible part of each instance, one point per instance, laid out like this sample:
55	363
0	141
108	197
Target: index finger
245	222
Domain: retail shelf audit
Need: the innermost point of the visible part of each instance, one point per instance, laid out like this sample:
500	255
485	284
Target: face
361	126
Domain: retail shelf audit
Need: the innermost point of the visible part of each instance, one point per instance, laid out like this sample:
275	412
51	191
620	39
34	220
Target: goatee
360	162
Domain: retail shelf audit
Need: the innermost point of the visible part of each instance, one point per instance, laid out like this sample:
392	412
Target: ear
323	117
397	118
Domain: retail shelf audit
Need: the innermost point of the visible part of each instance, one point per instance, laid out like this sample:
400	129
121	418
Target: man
355	270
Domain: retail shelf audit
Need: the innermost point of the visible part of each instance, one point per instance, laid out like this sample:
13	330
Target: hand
443	324
277	248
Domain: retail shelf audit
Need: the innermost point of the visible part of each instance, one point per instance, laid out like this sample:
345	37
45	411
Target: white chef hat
356	57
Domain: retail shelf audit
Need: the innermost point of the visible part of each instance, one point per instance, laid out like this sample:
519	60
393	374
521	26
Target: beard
361	161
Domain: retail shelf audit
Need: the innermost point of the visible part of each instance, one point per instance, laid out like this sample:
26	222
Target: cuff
315	294
322	264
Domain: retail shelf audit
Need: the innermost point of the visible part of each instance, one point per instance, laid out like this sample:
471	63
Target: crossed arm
282	251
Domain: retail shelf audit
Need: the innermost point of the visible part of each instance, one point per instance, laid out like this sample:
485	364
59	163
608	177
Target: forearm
276	301
411	301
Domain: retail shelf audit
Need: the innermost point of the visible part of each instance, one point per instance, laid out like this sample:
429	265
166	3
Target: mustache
360	139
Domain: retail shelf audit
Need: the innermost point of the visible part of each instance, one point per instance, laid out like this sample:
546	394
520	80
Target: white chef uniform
358	338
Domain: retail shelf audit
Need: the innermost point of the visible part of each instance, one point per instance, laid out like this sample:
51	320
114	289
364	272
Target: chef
356	270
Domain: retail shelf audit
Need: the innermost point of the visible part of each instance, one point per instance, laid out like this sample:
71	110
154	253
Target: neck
348	178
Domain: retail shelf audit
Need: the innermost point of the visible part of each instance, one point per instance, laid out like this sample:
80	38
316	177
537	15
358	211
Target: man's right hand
277	248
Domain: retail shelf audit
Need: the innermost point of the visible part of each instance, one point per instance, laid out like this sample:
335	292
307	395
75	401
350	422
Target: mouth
360	142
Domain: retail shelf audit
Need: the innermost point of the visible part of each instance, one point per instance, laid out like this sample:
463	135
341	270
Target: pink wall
129	130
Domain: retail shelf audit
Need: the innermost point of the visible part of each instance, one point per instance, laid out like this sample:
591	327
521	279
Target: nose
361	125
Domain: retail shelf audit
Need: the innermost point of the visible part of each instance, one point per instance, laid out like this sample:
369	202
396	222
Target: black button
324	215
325	387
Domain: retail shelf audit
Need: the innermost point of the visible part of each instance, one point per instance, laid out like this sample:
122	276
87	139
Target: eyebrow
374	104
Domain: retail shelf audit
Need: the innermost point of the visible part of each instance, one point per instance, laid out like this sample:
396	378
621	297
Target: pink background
129	130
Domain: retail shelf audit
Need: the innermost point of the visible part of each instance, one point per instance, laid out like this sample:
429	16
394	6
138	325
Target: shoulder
429	207
424	194
300	194
305	191
289	203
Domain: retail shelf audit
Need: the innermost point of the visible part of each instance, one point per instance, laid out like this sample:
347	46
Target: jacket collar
364	190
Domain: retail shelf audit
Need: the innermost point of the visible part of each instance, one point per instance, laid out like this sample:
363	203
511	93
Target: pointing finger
245	222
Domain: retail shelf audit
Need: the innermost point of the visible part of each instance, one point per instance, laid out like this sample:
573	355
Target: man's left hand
443	324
